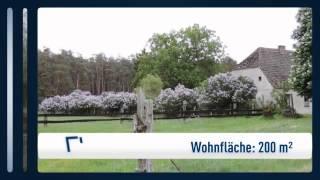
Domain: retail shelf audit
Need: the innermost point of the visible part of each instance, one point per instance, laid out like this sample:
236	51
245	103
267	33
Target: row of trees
219	91
63	72
187	56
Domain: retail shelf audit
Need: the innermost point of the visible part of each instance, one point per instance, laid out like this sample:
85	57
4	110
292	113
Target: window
260	78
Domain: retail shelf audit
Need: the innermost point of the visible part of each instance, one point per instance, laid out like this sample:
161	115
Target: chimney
282	49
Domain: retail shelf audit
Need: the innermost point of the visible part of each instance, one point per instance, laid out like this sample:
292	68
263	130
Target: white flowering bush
120	101
202	101
246	90
219	91
54	104
186	94
93	101
224	89
130	101
172	99
79	101
167	100
84	102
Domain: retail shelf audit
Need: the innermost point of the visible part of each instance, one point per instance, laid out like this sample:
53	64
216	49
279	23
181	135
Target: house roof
274	63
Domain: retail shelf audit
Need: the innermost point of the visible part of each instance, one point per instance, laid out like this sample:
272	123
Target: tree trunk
97	80
78	78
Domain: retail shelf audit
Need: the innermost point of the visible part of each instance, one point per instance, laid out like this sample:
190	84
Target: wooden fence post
184	109
142	123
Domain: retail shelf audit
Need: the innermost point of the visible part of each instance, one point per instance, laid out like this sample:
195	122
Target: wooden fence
158	115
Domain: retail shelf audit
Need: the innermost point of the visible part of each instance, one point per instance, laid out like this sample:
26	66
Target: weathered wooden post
122	113
184	109
142	123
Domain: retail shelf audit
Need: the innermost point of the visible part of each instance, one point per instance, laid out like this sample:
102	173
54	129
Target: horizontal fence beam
82	120
158	116
155	112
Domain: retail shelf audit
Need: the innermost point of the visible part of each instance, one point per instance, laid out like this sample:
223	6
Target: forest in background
188	56
64	72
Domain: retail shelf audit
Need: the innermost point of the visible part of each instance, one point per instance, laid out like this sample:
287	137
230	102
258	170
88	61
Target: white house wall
263	86
265	89
299	104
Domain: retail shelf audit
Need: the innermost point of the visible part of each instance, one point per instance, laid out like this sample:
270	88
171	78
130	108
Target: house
269	68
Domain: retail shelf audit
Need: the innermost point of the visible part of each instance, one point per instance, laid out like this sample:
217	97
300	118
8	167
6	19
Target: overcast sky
125	31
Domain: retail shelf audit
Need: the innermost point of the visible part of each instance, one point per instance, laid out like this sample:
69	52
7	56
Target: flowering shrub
93	101
186	94
83	101
245	90
121	101
167	100
54	104
220	90
223	89
202	101
172	100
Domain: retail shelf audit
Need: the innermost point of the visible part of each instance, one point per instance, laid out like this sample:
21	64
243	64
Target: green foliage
301	72
268	107
187	56
151	85
61	73
203	86
280	97
281	101
227	64
290	112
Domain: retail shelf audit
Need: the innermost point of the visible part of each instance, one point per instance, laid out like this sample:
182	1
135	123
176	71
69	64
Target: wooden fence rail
157	115
212	111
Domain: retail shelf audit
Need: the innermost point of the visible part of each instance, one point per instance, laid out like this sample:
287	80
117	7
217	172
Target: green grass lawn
204	125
